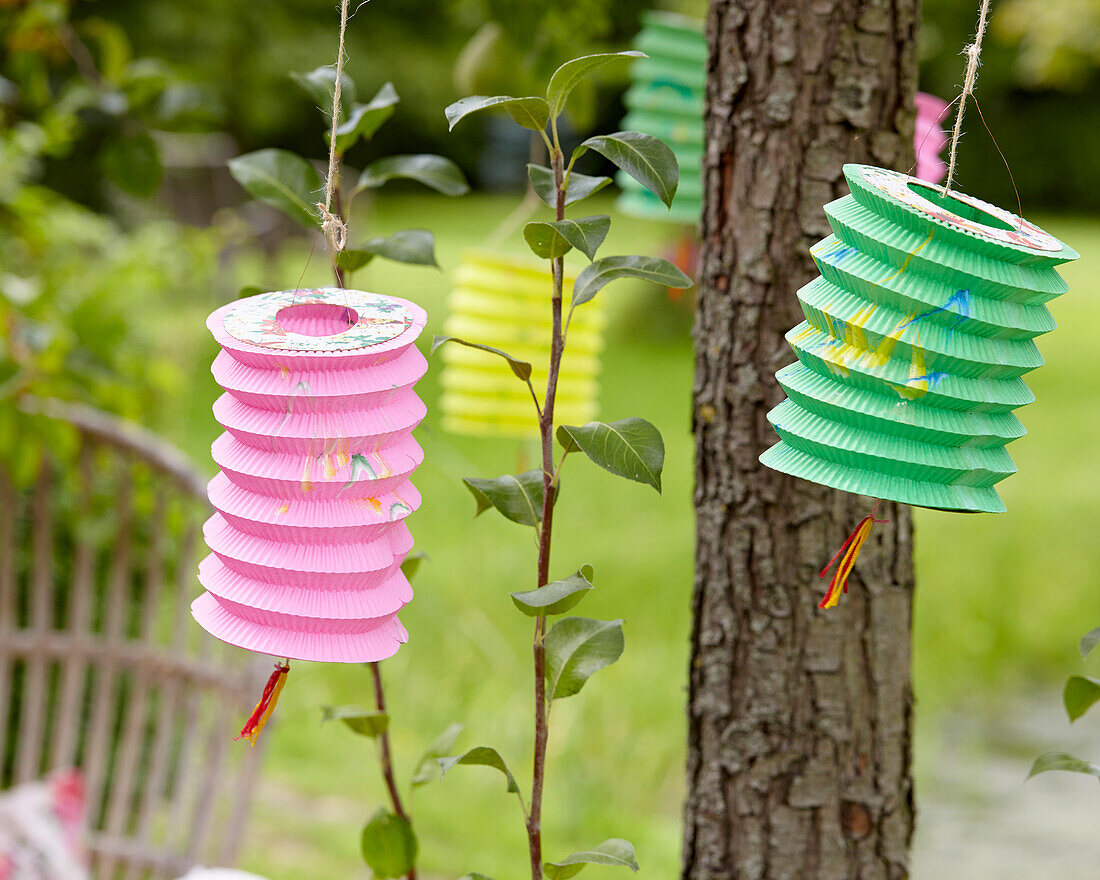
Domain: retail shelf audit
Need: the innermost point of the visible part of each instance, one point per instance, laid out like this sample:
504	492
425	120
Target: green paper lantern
917	334
665	100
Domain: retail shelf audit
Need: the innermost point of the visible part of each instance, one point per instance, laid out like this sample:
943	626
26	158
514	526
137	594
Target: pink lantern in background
309	534
929	138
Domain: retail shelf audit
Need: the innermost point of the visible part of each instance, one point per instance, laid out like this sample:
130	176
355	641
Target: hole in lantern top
956	206
316	318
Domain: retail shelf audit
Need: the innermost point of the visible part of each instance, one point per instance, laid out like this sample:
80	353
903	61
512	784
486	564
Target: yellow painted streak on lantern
917	386
803	335
284	509
284	371
885	348
905	265
307	470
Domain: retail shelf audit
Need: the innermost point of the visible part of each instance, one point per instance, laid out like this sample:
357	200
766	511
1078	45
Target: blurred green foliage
76	284
1039	71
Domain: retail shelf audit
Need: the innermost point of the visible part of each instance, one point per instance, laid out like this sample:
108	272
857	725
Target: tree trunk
799	719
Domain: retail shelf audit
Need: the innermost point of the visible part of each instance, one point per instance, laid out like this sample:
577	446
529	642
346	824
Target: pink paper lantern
309	534
929	138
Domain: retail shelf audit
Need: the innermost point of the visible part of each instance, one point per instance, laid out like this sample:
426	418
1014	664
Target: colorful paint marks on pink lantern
316	459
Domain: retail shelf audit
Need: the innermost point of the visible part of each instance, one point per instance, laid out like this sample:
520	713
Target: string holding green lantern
917	335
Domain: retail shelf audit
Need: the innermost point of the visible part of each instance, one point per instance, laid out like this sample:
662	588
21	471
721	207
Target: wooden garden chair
101	666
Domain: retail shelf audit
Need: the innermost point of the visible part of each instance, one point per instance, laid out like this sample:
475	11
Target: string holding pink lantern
314	487
929	137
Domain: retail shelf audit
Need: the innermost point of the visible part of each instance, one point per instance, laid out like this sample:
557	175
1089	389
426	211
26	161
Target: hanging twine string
973	53
336	231
847	555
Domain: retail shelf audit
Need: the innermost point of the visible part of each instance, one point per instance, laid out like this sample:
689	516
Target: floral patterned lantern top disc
309	534
917	334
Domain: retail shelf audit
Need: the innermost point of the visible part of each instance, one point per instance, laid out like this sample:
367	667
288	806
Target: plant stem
549	488
384	756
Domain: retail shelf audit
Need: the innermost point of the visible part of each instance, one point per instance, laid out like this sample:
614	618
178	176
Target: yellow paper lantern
504	301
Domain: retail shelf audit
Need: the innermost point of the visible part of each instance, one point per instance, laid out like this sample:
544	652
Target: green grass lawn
1001	600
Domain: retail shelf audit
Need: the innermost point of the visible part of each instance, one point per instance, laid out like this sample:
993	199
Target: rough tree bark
799	720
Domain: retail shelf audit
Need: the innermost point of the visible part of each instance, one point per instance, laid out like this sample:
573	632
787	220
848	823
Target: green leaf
645	158
1089	641
365	119
481	756
567	76
599	273
440	174
281	179
554	239
353	259
532	113
630	448
416	246
1062	761
132	163
518	497
427	768
615	852
521	369
1080	693
577	187
388	845
474	876
556	597
363	722
251	290
586	234
578	647
411	564
545	240
319	83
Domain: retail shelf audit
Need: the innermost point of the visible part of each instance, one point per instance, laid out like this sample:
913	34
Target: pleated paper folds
665	100
504	301
314	488
917	334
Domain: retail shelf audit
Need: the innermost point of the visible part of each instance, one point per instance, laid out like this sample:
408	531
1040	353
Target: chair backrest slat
32	719
74	666
122	795
9	511
104	698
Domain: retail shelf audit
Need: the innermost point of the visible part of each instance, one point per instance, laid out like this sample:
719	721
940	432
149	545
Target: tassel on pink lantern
929	138
309	534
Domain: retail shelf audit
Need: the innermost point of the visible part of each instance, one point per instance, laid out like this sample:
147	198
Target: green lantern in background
666	101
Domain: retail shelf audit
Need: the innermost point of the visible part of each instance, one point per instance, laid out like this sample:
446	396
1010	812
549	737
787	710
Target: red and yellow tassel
847	554
262	713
